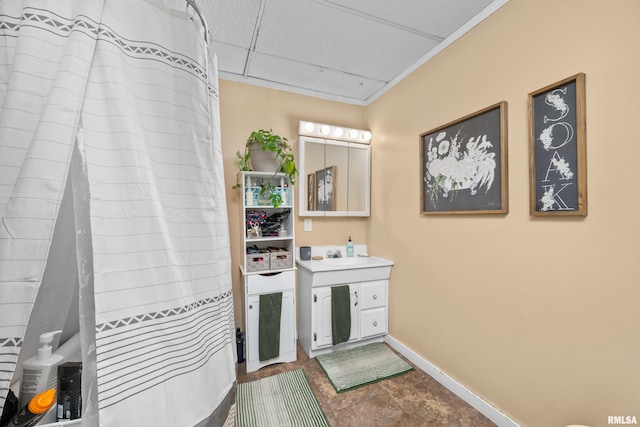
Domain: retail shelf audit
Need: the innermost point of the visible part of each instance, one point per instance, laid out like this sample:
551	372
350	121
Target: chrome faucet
334	254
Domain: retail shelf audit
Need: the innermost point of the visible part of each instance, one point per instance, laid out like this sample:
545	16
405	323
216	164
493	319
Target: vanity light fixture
338	132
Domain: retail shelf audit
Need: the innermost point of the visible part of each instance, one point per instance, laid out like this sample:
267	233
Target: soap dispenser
40	373
349	247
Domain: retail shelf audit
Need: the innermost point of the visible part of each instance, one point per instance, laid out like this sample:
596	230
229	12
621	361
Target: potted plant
267	152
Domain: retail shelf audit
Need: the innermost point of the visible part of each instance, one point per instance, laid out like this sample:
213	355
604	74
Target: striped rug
283	400
349	369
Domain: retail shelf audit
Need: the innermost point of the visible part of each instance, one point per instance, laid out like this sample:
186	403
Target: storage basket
281	259
258	262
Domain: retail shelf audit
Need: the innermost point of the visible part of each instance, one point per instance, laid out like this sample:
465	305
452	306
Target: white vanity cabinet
368	290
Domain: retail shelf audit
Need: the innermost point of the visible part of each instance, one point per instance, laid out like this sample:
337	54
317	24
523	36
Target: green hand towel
340	314
269	326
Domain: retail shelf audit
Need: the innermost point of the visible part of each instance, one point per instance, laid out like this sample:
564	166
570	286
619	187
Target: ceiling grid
346	50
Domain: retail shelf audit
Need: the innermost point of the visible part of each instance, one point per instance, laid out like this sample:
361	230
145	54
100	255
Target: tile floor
413	399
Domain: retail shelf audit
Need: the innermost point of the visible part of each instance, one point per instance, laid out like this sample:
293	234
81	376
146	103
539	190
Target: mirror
334	177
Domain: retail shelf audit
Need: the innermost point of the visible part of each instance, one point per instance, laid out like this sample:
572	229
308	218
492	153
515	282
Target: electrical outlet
308	225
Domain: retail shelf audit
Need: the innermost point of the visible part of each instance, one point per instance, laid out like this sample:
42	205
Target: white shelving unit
268	264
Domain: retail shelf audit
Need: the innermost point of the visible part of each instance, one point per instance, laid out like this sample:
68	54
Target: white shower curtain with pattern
121	97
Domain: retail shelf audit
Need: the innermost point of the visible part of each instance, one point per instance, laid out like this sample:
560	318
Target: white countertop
344	263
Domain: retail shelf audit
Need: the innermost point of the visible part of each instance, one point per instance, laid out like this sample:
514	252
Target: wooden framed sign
464	165
311	192
557	144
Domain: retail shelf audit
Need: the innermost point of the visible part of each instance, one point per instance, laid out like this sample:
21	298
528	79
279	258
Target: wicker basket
281	259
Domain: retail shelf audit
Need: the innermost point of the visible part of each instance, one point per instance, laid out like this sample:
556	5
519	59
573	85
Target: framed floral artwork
464	165
557	149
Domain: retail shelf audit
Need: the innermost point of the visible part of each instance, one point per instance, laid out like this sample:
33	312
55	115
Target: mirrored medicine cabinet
335	171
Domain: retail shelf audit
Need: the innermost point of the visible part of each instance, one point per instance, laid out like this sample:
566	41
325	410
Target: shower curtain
119	98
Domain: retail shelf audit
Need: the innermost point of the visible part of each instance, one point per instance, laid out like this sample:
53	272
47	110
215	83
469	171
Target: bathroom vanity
368	281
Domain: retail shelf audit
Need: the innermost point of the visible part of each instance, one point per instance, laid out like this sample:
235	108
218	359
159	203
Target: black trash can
240	345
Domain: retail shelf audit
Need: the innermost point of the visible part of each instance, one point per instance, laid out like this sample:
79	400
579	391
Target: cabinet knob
375	323
375	296
250	307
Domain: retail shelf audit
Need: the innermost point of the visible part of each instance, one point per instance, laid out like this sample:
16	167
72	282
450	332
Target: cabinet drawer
262	284
373	322
373	294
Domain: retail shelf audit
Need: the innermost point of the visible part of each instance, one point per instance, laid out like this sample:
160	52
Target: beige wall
245	108
537	315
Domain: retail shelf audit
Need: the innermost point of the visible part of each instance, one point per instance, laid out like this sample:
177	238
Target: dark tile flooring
413	399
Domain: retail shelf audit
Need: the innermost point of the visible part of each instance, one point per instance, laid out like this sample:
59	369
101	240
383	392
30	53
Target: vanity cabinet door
322	334
287	327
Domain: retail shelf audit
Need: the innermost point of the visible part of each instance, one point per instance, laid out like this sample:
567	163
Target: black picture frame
464	165
558	149
325	184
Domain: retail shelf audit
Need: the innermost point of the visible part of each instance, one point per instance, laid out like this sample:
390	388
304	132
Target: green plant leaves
268	141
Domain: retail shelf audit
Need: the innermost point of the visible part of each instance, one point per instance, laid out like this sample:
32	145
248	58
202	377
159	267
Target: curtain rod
192	3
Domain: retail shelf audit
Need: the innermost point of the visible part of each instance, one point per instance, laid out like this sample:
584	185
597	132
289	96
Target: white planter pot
263	161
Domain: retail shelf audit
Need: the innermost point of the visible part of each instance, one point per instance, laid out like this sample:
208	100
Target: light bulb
366	135
309	127
325	130
353	134
338	132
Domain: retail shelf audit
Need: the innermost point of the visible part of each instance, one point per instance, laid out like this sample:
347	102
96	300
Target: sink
331	271
345	261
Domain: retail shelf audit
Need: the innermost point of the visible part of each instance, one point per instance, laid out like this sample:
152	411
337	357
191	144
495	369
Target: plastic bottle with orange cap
32	412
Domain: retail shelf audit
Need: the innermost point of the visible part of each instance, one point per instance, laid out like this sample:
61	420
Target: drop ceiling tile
319	34
307	77
231	59
436	17
231	21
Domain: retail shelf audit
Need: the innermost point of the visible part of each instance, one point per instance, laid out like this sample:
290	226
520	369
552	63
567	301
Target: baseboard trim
454	386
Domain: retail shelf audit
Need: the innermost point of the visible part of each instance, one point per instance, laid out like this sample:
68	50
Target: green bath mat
283	400
349	369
